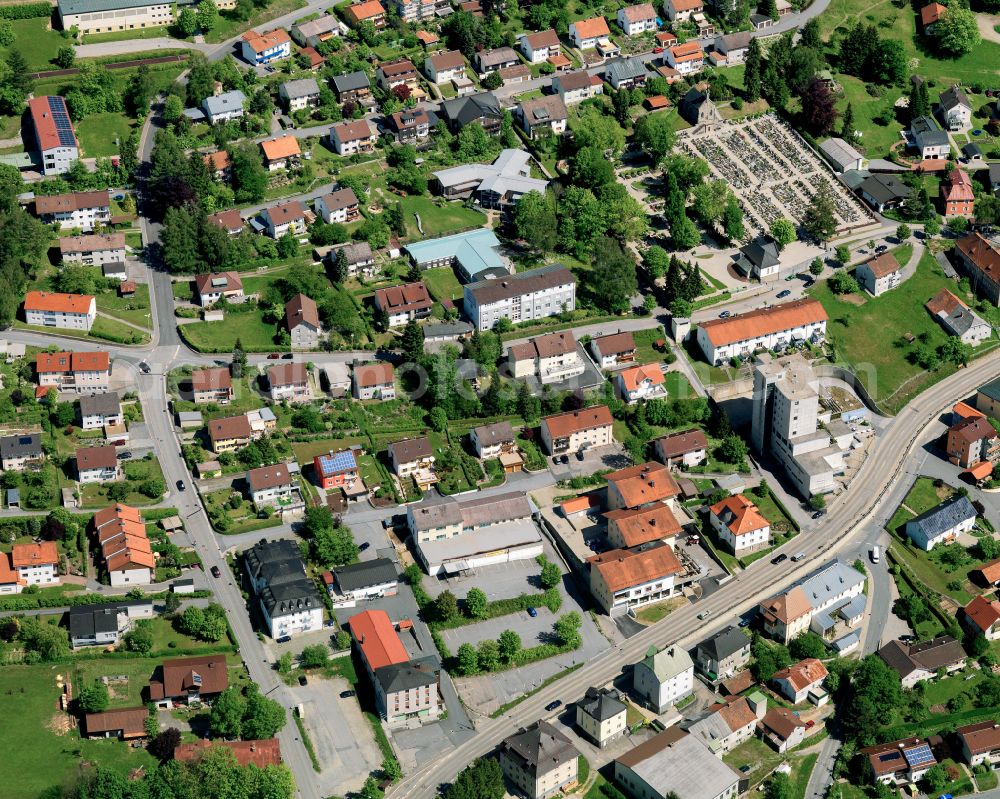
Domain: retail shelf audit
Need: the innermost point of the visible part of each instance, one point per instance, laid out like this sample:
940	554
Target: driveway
341	736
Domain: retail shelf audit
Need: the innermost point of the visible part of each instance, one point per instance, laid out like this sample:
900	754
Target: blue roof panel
337	462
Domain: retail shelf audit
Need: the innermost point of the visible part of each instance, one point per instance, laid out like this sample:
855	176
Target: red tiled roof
42	553
216	161
983	254
258	753
686	5
203	283
743	516
74	201
227	220
408	297
8	575
786	607
687	51
561	425
301	308
64	362
640	12
592	28
377	640
229	428
677	444
764	321
642	525
884	264
211	379
46	132
96	458
58	303
958	188
945	302
268	477
366	10
261	42
288	374
803	674
546	38
990	571
184	674
982	612
284	147
373	374
644	483
353	130
930	14
633	377
624	568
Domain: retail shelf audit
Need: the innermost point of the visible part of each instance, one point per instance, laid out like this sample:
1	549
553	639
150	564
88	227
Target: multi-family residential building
36	563
981	617
97	465
640	485
641	383
957	195
942	523
637	19
635	527
739	525
586	33
900	762
601	715
353	87
374	381
688	448
623	579
574	431
682	10
971	441
272	486
78	372
367	10
539	47
82	209
339	206
483	108
230	433
53	134
299	94
185	681
264	48
316	31
539	760
826	602
727	725
980	260
924	661
800	679
665	765
98	410
879	274
214	286
444	66
723	654
287	598
302	321
664	677
776	327
67	311
575	87
356	136
212	385
411	125
626	73
536	294
543	116
93	250
401	304
359	582
17	452
124	548
407	692
414	10
105	624
980	742
552	358
786	423
289	382
958	319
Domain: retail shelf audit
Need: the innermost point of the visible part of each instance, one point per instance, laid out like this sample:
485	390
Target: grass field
38	757
249	327
100	134
96	496
160	31
438	220
229	26
36	41
881	360
442	283
130	309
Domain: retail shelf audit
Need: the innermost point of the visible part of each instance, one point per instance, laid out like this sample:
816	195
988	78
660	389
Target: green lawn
230	26
36	41
120	36
166	637
130	309
100	134
442	283
113	330
242	519
756	754
678	386
881	361
254	333
95	495
780	523
36	756
658	610
801	769
438	220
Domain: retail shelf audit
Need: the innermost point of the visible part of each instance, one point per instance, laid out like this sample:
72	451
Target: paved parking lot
612	456
500	581
344	743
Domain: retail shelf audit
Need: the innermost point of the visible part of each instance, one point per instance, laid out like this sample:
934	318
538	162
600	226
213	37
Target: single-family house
980	259
353	87
740	525
980	743
552	358
637	19
575	87
414	457
125	724
214	286
955	109
687	447
99	410
957	195
289	217
487	61
444	66
360	582
97	465
537	48
339	206
900	762
586	33
724	654
626	73
374	381
302	321
401	304
797	681
942	523
601	715
230	433
928	139
782	728
400	72
483	108
367	10
982	617
106	623
617	349
265	48
686	58
212	385
335	469
281	153
289	382
682	10
923	661
664	677
271	485
185	681
411	125
355	136
727	725
879	274
641	383
316	31
299	94
543	116
230	221
19	451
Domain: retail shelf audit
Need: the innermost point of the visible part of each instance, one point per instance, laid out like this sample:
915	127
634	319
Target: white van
875	554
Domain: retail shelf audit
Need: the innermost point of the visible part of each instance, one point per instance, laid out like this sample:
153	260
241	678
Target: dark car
124	456
553	705
725	314
387	524
288	356
283	640
363	546
783	294
181	486
579	455
532	612
144	367
216	572
347	694
881	248
778	559
819	514
303	680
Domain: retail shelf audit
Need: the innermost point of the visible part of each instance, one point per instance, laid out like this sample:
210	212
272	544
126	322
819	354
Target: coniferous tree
752	71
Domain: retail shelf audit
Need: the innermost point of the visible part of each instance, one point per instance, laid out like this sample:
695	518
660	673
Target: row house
63	311
82	209
640	486
634	527
124	548
77	372
776	327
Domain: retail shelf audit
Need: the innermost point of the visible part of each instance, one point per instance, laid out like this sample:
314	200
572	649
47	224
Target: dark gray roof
724	643
601	703
23	446
885	188
541	747
303	87
447	330
404	676
625	69
973	150
952	98
277	567
549	276
463	110
85	621
762	252
734	41
352	81
994	173
932	655
944	516
991	389
100	405
366	574
927	133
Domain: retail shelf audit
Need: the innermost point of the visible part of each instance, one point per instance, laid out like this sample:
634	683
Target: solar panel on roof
337	462
60	117
919	755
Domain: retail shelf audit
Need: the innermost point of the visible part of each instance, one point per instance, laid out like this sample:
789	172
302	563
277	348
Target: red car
657	50
273	356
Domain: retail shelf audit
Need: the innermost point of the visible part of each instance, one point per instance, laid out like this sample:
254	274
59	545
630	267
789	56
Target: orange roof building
957	194
126	553
982	617
800	678
990	572
575	431
624	578
262	48
371	10
83	372
258	753
740	525
587	32
765	328
187	680
377	640
633	527
931	13
278	151
641	382
981	260
30	564
786	615
640	485
52	309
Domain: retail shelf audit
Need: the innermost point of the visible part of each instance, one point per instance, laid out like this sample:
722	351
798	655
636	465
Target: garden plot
772	172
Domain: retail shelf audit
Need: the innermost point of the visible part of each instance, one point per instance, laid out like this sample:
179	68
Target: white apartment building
54	136
66	311
551	358
79	372
663	678
739	525
601	715
287	598
93	250
36	564
574	431
771	328
82	209
537	294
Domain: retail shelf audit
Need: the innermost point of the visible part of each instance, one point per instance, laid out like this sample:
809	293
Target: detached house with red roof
36	564
53	132
957	195
880	274
400	304
302	321
185	681
686	58
981	262
586	33
982	617
97	465
630	578
289	382
374	381
370	10
800	679
284	218
212	385
263	48
688	447
641	383
980	743
740	525
281	153
214	286
65	311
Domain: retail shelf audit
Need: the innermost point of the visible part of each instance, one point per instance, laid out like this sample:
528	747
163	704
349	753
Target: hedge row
26	11
37	601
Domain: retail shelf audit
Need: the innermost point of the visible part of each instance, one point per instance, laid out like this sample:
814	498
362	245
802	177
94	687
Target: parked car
779	559
347	694
819	514
725	314
303	680
216	572
283	640
556	703
657	50
288	356
810	724
363	546
783	294
124	456
564	459
579	455
387	524
181	486
273	356
798	556
532	612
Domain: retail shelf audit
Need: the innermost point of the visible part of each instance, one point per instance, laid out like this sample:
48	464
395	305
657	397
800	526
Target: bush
26	11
